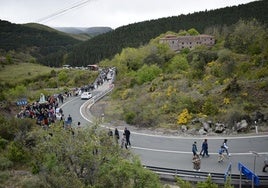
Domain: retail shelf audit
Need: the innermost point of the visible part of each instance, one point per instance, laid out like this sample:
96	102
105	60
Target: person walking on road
221	156
196	162
265	164
69	120
204	150
127	134
116	135
226	148
194	148
123	141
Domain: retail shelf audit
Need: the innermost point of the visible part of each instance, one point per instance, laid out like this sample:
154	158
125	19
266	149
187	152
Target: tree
88	157
193	31
207	184
253	41
147	73
62	76
177	64
182	183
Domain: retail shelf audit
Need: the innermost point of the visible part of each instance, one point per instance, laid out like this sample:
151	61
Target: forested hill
45	44
134	35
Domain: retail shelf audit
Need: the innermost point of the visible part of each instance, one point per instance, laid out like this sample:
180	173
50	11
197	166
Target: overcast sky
111	13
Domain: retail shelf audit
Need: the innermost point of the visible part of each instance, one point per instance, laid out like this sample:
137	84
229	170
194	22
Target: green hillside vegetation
138	34
28	80
156	87
22	72
81	36
45	45
34	157
31	156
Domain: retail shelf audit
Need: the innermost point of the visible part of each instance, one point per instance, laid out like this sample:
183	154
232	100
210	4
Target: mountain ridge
92	31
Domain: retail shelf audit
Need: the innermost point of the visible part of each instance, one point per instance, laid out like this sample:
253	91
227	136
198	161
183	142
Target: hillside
226	83
135	35
46	45
84	33
91	31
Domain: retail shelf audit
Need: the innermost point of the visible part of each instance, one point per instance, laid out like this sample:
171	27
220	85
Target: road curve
175	151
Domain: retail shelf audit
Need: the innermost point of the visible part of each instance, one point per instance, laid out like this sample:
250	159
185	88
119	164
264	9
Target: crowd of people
46	110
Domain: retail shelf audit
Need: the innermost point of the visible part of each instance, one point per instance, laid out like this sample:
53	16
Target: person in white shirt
225	146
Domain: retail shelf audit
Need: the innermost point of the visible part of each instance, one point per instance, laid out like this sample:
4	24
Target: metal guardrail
96	98
102	94
168	174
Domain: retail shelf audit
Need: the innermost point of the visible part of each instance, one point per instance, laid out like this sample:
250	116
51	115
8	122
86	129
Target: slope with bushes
156	87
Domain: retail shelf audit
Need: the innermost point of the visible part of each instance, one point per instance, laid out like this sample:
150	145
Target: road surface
175	151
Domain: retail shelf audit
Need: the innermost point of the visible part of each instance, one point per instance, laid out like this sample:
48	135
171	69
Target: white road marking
186	152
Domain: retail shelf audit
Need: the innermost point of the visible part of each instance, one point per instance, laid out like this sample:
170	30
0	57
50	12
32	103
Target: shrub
182	183
32	182
3	143
210	107
129	117
207	184
4	176
16	153
147	73
6	130
5	163
18	92
184	117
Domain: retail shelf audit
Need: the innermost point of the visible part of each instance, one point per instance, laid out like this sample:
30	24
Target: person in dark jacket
116	135
265	164
204	150
194	148
127	133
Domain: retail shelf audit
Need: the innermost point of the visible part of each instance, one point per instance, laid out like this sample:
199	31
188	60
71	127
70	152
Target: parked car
86	95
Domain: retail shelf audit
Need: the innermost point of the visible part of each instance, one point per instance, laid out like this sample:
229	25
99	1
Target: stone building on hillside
177	43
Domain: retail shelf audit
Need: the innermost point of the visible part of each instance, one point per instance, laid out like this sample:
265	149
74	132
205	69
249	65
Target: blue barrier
249	174
22	102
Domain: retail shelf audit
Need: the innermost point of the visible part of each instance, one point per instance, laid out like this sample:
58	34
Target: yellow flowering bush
226	100
184	117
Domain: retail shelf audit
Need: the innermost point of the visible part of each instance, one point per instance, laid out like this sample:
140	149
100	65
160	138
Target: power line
63	11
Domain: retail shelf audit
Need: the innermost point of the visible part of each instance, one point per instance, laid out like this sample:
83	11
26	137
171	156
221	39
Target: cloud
113	13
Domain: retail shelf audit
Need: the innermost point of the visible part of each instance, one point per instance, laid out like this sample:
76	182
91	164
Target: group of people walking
125	140
204	152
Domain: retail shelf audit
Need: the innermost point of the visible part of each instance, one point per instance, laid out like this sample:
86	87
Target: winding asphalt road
175	151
